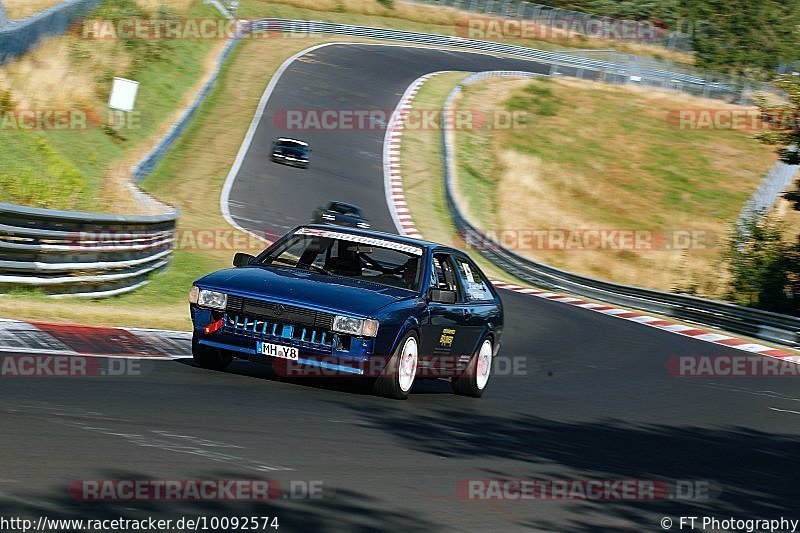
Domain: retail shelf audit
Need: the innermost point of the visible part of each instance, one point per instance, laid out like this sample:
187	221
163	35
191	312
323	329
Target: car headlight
212	299
362	327
194	294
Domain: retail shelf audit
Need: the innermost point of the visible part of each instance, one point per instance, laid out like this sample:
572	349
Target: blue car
336	301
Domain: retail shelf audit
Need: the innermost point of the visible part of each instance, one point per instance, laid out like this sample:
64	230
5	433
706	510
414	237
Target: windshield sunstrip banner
361	239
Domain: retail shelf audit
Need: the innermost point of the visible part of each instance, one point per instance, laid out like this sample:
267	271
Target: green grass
32	172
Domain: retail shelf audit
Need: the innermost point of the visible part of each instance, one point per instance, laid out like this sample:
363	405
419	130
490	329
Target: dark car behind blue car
329	300
291	152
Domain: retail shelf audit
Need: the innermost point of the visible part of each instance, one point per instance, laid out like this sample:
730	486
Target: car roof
382	235
288	139
344	205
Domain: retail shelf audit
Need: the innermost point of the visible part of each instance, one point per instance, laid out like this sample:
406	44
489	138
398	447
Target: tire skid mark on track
393	180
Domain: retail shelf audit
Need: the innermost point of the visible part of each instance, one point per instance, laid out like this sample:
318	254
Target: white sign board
123	95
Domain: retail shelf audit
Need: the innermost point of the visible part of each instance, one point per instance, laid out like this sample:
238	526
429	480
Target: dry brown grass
177	6
18	9
49	77
588	193
531	199
46	77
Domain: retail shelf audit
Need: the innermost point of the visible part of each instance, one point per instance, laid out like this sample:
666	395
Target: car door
479	305
443	337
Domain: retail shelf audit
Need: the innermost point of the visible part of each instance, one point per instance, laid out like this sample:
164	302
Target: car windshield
292	145
367	258
344	209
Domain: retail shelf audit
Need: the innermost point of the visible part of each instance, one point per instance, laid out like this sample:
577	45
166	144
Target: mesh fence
585	23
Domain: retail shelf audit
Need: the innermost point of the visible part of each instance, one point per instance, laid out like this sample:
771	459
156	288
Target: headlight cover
212	299
361	327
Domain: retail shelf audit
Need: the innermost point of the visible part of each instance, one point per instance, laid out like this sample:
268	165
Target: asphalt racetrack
591	397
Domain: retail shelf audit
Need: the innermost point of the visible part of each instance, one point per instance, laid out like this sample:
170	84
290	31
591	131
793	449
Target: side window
475	284
444	274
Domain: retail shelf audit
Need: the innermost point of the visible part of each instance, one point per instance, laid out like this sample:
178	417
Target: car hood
304	288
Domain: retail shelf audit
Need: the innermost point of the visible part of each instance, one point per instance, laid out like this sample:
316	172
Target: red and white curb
395	198
656	322
44	338
392	170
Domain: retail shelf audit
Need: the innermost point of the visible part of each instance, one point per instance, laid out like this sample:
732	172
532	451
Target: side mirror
241	259
442	296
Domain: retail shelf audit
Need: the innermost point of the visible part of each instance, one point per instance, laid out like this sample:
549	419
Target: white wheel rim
484	364
407	366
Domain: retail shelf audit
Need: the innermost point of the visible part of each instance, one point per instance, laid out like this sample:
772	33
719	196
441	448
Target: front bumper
334	354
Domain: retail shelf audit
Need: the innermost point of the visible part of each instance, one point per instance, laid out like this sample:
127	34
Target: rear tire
397	377
210	358
474	379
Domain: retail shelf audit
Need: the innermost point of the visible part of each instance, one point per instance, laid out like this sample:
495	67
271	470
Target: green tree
763	267
782	119
783	122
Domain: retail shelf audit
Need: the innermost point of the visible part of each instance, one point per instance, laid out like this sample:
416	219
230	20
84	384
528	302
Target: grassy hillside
595	157
73	168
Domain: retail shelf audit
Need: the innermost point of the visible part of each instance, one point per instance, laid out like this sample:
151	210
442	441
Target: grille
270	330
277	322
289	314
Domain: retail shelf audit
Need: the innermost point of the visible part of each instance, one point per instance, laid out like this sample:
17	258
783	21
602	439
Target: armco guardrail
571	65
81	254
17	36
774	327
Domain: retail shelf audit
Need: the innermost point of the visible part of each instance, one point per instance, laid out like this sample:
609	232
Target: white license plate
276	350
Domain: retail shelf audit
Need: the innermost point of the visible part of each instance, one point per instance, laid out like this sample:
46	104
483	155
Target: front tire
210	358
397	377
476	376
